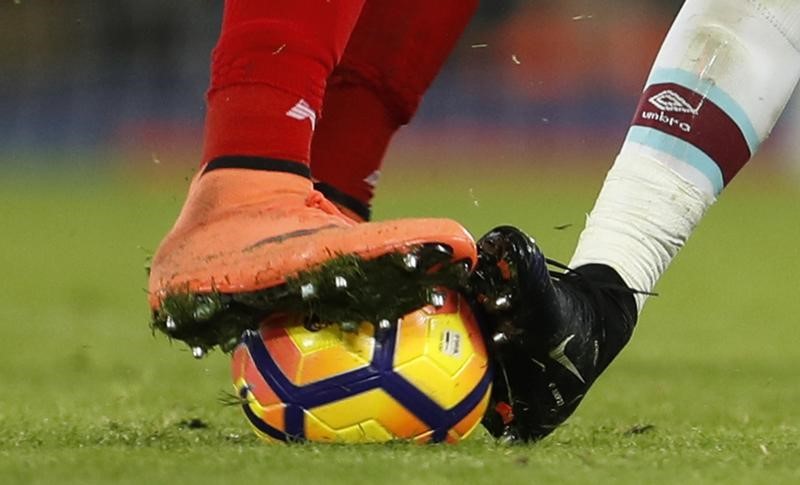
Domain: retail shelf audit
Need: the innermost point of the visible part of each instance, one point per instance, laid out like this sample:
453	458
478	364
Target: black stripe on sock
258	163
338	197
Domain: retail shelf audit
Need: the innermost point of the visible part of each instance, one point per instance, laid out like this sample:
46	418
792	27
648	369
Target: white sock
720	82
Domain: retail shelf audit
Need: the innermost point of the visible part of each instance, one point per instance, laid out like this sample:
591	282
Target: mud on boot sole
344	290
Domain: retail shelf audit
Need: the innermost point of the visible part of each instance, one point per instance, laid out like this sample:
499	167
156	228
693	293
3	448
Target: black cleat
553	332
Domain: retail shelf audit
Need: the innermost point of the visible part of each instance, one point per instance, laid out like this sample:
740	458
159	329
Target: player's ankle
227	187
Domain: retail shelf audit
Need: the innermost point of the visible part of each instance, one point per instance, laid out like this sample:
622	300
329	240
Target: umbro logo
670	101
302	111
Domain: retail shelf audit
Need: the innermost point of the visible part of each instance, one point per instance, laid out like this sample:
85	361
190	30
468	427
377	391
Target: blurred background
101	112
126	78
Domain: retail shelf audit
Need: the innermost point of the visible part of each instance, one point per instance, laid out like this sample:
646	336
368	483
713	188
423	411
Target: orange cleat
249	243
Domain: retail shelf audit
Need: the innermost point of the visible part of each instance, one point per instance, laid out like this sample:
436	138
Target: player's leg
396	50
721	80
252	221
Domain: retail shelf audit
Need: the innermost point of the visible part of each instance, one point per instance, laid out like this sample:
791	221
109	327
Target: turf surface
707	392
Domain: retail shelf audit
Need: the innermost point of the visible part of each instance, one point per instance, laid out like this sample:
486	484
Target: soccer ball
426	379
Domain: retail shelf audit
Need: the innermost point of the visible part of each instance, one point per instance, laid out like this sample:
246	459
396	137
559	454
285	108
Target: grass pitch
706	392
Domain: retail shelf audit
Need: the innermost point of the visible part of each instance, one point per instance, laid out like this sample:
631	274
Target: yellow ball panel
448	343
367	432
472	372
441	387
330	351
449	336
329	421
412	336
331	337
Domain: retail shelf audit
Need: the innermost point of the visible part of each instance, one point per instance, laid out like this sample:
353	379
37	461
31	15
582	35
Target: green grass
88	395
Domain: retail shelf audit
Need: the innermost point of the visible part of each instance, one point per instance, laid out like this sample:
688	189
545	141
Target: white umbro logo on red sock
670	101
302	111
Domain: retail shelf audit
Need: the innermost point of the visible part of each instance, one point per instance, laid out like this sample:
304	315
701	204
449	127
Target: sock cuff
257	163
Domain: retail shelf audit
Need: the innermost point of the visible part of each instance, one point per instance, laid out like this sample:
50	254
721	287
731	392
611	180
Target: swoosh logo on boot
289	235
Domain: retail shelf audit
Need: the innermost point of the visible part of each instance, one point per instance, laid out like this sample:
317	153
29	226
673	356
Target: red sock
268	75
396	50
